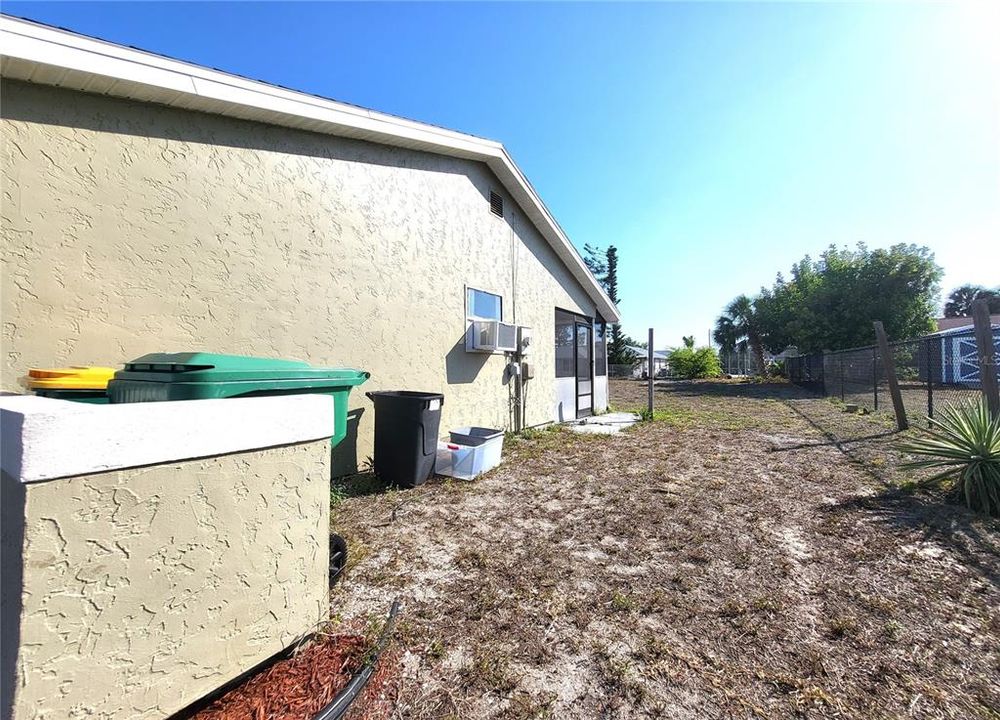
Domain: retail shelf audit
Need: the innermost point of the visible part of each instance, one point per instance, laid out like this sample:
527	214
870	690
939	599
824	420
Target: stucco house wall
130	227
132	593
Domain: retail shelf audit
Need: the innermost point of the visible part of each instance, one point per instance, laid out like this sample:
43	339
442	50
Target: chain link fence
637	371
932	372
740	362
626	372
734	363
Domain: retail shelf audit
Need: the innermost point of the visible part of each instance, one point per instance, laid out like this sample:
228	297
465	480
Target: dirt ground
751	552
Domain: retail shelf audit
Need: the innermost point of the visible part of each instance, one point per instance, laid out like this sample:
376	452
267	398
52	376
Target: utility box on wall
524	340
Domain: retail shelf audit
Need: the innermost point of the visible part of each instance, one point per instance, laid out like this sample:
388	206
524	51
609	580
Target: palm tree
960	300
739	324
725	335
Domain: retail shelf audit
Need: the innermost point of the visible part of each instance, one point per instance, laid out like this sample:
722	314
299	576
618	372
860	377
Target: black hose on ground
339	706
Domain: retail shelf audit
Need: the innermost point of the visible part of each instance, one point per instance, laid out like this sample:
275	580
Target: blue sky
714	144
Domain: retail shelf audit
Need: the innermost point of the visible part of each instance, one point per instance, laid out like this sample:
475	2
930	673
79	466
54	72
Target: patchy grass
622	602
715	412
749	553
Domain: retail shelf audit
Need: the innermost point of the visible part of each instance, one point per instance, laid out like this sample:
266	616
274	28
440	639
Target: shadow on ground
863	438
970	536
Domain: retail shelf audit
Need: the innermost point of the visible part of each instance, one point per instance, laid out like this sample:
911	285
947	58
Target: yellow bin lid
71	378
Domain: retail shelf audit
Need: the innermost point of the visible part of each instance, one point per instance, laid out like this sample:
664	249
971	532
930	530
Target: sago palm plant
965	443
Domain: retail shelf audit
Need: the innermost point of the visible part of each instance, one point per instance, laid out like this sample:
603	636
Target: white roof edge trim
164	79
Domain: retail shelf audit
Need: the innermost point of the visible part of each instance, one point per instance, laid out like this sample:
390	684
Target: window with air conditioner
486	332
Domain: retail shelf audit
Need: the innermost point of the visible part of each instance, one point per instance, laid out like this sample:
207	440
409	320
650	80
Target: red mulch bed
299	686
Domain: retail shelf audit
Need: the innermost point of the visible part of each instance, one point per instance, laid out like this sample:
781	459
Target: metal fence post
890	375
987	360
928	365
649	360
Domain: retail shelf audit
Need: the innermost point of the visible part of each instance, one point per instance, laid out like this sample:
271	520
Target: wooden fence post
875	377
890	375
987	360
840	359
649	364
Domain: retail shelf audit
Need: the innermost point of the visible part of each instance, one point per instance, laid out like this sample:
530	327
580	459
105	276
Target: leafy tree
786	314
741	323
687	362
688	341
960	300
830	303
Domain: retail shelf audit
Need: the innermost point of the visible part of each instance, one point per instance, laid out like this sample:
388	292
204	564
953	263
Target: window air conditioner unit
493	336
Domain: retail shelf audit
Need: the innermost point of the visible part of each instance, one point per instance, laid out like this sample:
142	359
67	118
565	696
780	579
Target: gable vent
496	204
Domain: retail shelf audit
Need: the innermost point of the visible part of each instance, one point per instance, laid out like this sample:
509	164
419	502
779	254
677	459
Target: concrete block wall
132	592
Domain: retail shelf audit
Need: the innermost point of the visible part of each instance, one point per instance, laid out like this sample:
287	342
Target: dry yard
746	554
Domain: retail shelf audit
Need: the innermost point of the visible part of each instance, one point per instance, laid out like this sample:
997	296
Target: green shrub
689	363
965	444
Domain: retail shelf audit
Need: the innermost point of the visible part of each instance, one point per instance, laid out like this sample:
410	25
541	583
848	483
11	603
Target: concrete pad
607	424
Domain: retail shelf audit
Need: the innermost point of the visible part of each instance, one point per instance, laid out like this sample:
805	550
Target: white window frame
469	316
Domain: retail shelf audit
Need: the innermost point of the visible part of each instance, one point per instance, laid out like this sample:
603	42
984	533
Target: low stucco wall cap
45	439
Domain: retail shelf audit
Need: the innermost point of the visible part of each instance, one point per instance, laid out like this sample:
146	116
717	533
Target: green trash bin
200	376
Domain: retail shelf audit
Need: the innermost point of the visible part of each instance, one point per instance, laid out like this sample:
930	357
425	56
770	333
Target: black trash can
406	435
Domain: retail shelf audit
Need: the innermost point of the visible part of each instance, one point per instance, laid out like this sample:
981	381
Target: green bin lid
213	367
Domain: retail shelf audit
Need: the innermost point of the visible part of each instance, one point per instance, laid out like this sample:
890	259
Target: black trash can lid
405	396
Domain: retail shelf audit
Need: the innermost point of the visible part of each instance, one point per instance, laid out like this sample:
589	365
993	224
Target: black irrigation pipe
342	703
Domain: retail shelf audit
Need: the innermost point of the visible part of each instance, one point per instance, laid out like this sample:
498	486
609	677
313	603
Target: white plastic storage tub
476	435
466	460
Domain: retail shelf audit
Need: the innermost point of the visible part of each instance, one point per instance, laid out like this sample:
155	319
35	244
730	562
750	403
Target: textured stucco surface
130	228
144	589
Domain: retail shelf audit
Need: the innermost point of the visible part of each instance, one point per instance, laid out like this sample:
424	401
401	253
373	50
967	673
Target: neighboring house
156	205
660	362
950	323
789	351
952	357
